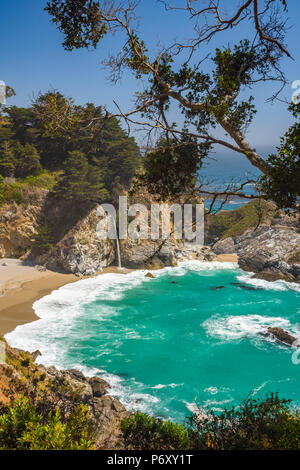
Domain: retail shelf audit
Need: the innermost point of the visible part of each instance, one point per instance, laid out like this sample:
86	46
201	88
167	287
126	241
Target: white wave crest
241	326
260	283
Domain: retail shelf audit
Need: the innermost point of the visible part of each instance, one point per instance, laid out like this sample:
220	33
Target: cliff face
272	252
72	244
270	249
18	224
80	251
76	248
266	240
50	389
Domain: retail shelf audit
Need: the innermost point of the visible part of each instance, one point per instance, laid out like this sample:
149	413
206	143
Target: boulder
99	386
271	252
226	246
282	336
80	251
150	275
77	374
36	354
40	268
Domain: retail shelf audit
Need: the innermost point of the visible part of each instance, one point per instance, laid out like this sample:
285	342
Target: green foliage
44	180
7	159
257	424
147	433
80	20
171	169
27	160
81	181
22	428
234	223
19	160
282	185
43	239
116	154
50	136
23	191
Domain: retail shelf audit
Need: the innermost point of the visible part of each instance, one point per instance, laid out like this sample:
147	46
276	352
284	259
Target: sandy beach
20	287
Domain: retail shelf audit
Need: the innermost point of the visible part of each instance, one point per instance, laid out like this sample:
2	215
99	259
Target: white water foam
246	278
231	327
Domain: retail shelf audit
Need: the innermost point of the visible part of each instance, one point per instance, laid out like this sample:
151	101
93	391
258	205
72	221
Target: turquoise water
168	343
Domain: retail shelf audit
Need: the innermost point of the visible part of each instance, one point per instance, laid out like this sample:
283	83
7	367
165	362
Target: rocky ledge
63	389
271	251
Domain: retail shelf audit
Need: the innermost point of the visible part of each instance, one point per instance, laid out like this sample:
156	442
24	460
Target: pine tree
7	159
95	190
81	181
27	160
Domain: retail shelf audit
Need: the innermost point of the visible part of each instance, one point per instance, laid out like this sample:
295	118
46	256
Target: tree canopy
212	92
92	153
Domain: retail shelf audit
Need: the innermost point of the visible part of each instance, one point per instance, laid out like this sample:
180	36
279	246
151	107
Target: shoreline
29	285
19	292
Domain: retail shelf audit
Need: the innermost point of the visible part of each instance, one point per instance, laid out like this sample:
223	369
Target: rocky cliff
271	249
51	389
80	251
18	224
62	236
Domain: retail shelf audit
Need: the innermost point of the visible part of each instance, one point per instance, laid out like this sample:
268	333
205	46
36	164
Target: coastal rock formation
148	254
18	225
225	246
80	251
271	252
282	336
266	240
63	389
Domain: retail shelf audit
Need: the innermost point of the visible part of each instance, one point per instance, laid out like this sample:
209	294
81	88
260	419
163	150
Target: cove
173	342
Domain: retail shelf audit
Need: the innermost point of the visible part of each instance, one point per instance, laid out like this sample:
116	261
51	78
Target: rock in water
150	275
218	287
282	336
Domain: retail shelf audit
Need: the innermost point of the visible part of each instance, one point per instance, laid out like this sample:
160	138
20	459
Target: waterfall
117	242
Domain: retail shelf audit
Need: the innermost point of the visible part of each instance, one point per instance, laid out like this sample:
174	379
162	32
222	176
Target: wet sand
21	286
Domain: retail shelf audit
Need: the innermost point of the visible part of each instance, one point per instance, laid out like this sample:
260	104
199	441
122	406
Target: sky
33	60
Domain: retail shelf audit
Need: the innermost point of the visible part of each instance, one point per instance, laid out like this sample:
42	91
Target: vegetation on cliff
23	428
257	424
234	223
47	409
86	159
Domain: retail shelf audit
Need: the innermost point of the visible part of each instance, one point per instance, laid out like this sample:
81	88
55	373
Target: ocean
170	344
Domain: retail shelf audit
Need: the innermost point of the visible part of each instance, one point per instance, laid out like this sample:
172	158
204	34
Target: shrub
22	428
145	432
257	424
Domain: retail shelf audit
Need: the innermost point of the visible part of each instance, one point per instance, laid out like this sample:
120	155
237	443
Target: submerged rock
218	287
242	286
